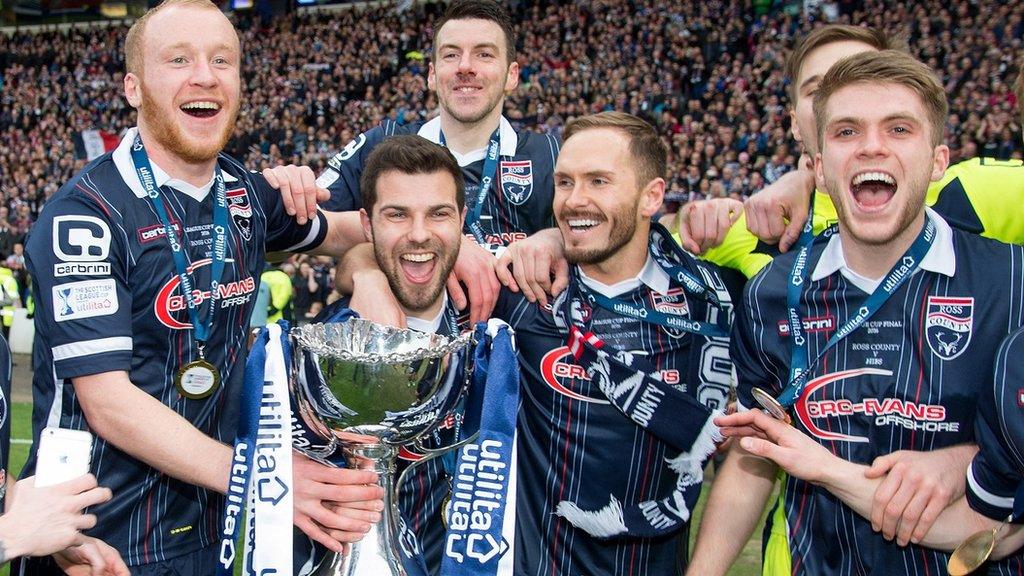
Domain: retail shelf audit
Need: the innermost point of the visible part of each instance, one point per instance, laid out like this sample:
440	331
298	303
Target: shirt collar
508	140
126	167
651	275
941	258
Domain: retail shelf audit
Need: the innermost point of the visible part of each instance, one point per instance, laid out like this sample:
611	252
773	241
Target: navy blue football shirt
908	379
573	445
997	471
518	203
109	299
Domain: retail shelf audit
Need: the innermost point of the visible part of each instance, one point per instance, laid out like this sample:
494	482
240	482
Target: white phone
63	454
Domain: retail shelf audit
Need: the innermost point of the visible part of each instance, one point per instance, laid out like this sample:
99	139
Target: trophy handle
432	453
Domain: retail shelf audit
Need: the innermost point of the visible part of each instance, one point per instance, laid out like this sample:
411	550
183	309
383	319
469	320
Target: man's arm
803	458
703	224
777	213
739	492
141	426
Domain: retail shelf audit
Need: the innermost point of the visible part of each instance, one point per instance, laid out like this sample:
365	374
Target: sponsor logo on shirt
170	302
84	299
80	238
81	269
948	325
516	179
564	376
884	411
812	324
155	232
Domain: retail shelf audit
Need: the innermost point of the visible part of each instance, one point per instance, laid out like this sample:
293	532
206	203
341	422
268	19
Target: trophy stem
377	553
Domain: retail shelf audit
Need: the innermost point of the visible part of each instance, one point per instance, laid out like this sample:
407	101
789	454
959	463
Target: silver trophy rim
307	337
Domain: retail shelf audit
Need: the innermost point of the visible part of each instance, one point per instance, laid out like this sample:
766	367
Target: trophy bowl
363	390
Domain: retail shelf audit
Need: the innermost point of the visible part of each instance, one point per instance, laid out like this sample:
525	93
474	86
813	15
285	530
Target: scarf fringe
603	523
690	465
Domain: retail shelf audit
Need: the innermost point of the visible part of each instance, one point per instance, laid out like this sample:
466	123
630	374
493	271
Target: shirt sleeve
749	358
78	258
996	472
344	170
284	234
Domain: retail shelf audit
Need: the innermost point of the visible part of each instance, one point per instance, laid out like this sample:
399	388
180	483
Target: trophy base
376	554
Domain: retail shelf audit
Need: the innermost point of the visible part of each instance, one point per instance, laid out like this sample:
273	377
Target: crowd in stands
708	74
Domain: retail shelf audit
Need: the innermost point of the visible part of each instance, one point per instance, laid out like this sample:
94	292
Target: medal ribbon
144	170
486	177
651	315
800	369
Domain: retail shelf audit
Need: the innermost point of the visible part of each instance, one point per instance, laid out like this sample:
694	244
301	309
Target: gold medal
197	379
771	405
445	504
974	551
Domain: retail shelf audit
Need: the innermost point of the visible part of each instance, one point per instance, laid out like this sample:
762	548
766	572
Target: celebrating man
146	266
868	334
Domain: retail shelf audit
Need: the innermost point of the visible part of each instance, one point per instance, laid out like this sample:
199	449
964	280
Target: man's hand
916	488
777	214
475	268
335	505
298	190
91	558
41	521
359	275
535	265
703	224
792	450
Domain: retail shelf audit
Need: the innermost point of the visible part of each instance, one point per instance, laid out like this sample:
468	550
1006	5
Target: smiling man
507	172
879	336
414	203
146	269
602	489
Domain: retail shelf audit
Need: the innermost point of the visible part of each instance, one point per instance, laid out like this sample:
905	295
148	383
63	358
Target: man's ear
133	89
364	219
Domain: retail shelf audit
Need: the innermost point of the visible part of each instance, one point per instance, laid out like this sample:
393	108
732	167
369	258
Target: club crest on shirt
948	325
517	180
241	211
672	302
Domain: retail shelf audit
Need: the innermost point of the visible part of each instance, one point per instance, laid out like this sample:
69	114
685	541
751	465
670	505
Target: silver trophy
366	390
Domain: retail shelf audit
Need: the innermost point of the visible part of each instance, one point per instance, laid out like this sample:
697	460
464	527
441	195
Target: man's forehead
592	150
471	31
174	26
888	100
818	61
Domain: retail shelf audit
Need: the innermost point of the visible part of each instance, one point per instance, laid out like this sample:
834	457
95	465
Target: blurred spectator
708	75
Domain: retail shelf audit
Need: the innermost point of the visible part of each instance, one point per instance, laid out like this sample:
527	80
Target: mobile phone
63	454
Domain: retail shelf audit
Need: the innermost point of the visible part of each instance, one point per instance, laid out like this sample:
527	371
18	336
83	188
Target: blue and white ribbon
481	517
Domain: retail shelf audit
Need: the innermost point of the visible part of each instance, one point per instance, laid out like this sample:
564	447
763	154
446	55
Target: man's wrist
10	545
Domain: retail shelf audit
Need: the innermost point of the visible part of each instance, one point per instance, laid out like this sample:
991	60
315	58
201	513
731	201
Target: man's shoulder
538	146
98	183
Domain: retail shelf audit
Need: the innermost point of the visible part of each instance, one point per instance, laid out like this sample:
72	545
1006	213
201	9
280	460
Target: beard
623	229
420	297
170	136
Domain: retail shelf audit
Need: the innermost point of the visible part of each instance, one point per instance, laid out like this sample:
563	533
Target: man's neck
625	263
196	174
427	314
465	138
874	261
